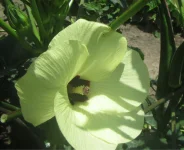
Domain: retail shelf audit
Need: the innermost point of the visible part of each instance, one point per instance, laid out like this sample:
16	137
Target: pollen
83	90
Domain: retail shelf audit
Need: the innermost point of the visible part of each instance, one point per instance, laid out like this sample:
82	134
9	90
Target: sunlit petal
106	47
105	55
37	89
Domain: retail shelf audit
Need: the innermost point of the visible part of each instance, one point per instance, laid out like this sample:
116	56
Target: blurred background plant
37	24
32	26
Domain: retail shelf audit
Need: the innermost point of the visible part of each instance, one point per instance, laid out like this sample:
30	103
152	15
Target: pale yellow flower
118	84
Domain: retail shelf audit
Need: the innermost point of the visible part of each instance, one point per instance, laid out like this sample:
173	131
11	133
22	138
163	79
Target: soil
147	43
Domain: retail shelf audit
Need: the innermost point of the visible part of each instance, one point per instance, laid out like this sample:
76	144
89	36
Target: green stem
8	117
162	100
167	50
70	4
180	103
8	106
43	33
154	105
32	21
13	33
173	128
18	123
132	10
172	106
8	29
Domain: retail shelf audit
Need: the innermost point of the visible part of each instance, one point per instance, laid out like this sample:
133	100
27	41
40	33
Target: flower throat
78	90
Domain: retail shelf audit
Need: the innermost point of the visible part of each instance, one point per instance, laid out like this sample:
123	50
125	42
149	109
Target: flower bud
16	18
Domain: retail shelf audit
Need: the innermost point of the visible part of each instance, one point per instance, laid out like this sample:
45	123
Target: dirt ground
149	45
147	42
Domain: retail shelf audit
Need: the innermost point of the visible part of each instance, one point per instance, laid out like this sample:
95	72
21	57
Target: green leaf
122	3
92	6
109	16
156	34
176	68
181	138
152	5
150	120
139	51
105	8
178	6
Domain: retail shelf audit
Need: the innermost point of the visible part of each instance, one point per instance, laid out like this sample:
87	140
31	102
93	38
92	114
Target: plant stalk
8	29
131	11
32	21
8	117
162	100
43	33
167	50
173	129
166	53
8	106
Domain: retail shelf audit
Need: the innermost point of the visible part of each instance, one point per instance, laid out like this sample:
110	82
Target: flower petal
123	91
91	131
112	128
105	55
106	47
37	89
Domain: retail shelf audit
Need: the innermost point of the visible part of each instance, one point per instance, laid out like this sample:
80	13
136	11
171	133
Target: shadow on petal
112	127
127	86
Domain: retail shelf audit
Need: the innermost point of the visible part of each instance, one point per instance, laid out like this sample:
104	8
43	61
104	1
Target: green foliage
150	12
53	14
177	11
156	34
152	5
35	27
139	51
102	10
148	140
176	8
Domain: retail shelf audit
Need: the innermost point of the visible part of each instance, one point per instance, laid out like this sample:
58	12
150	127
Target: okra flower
91	83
